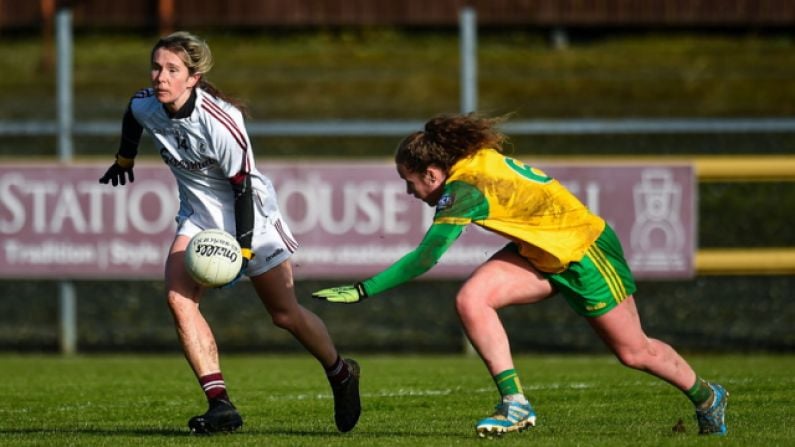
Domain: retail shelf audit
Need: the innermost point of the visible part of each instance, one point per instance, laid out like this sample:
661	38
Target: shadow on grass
160	432
95	431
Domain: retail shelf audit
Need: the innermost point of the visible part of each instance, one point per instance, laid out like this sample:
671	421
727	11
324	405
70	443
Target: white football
213	258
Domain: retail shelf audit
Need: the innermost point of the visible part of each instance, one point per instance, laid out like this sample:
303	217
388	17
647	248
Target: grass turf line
408	400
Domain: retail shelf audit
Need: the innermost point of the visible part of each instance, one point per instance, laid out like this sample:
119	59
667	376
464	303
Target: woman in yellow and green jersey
555	245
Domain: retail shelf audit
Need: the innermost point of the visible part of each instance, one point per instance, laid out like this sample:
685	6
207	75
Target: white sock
520	398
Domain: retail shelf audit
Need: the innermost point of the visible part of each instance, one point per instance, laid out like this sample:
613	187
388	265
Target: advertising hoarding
351	219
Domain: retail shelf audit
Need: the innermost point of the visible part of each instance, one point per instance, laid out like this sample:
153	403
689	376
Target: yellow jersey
550	225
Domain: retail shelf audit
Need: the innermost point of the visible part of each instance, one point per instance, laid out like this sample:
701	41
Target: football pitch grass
146	400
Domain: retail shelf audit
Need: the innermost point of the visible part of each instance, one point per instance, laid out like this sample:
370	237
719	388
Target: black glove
116	172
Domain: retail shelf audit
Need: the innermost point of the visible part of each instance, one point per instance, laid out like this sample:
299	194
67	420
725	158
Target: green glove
342	294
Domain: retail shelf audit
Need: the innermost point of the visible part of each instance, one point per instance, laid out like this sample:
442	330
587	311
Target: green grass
408	401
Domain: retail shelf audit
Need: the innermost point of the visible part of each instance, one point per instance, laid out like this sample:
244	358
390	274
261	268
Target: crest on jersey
445	202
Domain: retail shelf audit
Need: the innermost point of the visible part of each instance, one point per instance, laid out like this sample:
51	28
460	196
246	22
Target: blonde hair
196	55
446	139
193	51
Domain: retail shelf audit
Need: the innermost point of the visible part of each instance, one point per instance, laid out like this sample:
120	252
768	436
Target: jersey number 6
528	172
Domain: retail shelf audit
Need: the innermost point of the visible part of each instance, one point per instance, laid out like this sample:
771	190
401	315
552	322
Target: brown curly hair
446	139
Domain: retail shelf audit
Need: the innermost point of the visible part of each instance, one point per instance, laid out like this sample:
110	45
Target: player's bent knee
176	301
283	320
632	359
463	305
469	306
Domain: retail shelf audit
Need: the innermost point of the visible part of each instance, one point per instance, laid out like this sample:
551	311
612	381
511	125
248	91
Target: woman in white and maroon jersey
201	136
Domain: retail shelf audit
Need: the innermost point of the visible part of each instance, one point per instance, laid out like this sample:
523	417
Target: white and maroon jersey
205	147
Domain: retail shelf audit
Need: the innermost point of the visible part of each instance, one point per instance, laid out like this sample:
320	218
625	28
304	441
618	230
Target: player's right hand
342	294
119	171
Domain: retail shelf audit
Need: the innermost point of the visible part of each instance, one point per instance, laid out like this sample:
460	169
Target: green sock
508	383
700	393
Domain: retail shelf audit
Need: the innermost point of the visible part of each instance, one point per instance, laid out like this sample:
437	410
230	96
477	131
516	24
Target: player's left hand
343	294
243	267
119	172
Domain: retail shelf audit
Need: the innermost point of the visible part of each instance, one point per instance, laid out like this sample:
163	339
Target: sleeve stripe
227	121
453	220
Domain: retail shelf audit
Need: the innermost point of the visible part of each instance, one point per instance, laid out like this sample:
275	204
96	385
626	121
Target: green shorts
599	281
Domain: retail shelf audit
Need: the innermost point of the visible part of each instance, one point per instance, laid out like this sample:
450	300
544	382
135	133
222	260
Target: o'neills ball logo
213	248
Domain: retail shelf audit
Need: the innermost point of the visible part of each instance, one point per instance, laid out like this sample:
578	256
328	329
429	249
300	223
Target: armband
124	162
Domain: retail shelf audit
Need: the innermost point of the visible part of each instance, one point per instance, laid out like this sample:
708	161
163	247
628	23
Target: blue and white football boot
509	416
711	421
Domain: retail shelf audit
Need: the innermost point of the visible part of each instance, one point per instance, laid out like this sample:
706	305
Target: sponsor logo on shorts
596	306
274	254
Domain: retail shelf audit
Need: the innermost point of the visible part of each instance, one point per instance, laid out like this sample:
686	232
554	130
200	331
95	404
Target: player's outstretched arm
436	241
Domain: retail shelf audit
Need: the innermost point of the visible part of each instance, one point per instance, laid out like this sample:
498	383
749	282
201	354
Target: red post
165	14
47	18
